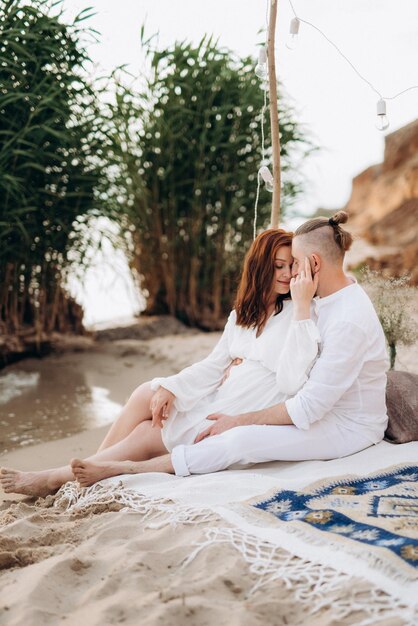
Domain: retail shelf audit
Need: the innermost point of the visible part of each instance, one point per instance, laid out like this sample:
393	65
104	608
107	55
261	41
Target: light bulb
261	71
382	122
292	38
261	67
267	176
264	84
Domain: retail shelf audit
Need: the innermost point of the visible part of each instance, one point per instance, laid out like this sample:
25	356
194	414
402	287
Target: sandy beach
105	567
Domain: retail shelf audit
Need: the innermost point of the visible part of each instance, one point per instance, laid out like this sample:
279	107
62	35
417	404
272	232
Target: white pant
263	443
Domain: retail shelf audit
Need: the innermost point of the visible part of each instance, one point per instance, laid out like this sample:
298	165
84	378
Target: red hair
256	285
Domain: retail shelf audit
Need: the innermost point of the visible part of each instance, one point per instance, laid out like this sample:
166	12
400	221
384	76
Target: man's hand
161	403
222	422
303	288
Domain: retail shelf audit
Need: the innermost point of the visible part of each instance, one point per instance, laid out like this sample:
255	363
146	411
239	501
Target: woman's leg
143	442
135	411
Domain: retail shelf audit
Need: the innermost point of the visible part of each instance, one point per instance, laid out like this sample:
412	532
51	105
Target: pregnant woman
164	426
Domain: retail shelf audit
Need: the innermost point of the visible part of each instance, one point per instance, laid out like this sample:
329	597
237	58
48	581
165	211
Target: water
43	400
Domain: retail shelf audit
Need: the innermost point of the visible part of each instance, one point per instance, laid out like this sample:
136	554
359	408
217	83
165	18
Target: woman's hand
223	422
161	403
303	288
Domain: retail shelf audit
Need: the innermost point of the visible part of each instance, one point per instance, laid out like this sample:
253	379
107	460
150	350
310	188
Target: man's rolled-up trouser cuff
178	460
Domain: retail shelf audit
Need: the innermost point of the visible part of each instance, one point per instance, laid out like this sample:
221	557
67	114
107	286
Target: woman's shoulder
232	318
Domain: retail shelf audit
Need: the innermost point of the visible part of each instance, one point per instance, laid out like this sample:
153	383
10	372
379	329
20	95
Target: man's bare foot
38	484
89	472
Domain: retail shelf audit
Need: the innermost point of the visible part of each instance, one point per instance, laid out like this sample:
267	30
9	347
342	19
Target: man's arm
276	414
334	372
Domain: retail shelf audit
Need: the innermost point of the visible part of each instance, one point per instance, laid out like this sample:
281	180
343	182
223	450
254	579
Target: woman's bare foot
89	472
38	484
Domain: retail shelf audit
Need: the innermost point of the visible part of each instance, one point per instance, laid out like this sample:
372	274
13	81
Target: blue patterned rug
375	516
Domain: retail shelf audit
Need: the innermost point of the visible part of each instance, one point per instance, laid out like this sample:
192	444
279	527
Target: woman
278	343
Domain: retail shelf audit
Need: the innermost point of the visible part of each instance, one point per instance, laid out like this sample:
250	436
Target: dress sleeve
202	378
335	371
298	355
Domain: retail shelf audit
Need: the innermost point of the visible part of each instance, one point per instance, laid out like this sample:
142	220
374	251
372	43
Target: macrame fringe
98	498
315	586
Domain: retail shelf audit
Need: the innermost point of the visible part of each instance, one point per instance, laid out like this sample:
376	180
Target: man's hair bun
340	217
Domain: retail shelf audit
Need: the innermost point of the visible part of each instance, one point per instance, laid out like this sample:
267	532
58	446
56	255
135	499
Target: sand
106	569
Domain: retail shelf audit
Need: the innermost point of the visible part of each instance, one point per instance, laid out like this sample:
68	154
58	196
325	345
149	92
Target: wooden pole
274	117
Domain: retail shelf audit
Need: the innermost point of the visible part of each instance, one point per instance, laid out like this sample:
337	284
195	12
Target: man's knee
239	436
233	443
217	452
242	443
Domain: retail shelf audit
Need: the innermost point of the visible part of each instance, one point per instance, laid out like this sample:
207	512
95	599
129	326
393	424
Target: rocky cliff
383	205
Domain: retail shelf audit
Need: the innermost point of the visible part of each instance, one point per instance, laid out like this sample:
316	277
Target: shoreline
24	345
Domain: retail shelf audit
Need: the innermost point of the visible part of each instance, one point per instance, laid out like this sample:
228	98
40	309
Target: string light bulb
267	176
293	38
264	85
261	67
382	122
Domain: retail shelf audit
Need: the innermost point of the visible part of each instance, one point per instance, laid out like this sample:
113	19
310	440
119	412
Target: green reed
49	150
186	151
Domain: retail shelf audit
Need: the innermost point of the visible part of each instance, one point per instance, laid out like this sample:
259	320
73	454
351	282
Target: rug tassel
315	586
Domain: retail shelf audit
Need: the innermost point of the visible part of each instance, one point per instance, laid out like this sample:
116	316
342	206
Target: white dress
275	366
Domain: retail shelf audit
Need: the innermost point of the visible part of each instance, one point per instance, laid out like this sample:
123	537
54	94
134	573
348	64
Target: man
346	385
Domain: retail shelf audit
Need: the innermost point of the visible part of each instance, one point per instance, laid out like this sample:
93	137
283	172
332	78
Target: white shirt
347	383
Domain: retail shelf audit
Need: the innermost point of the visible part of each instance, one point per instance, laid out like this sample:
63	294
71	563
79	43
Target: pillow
402	406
